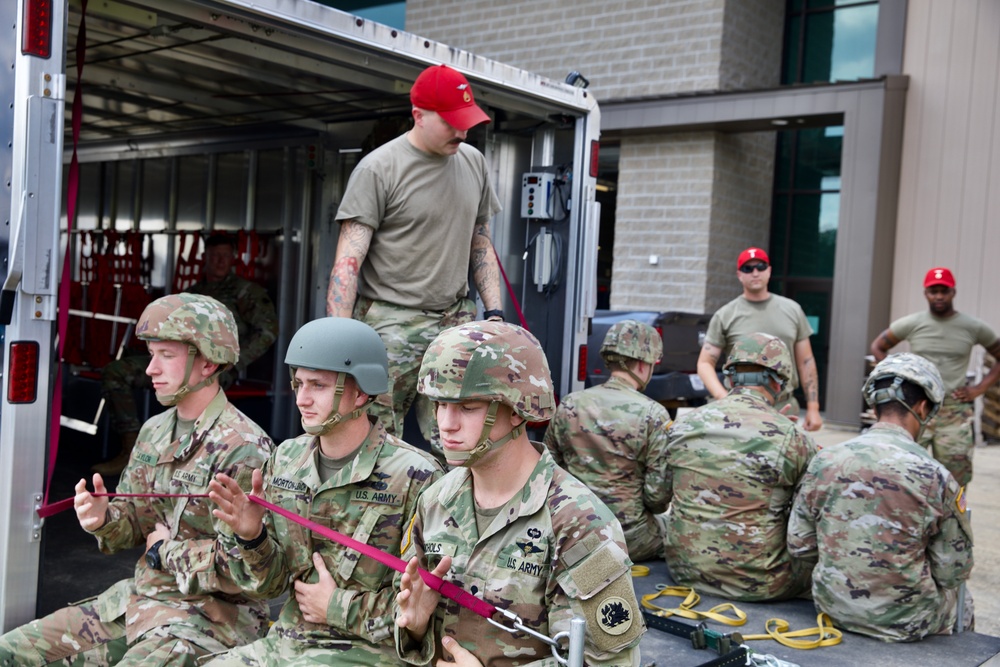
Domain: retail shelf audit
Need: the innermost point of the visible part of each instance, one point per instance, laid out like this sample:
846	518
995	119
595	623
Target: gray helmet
759	349
904	366
631	339
343	345
347	347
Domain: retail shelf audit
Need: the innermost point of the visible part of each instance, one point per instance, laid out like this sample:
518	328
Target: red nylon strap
510	290
445	588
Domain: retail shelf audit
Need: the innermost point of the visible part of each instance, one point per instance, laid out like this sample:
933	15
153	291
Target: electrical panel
538	195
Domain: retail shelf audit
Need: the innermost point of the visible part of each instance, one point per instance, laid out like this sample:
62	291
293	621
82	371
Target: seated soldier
508	524
886	521
733	466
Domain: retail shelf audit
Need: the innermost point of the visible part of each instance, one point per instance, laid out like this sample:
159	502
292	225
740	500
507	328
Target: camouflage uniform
192	607
733	468
891	534
258	329
370	500
553	551
613	439
546	557
951	439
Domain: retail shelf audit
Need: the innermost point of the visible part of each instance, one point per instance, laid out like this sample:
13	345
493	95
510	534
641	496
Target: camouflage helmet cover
489	361
343	345
632	339
761	349
195	319
907	366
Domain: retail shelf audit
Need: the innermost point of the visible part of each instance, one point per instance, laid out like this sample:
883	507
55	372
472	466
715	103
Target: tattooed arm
352	248
707	359
809	379
884	342
485	268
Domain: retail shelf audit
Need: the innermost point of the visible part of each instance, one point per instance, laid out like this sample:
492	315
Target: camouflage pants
118	379
645	540
75	636
950	437
407	332
278	651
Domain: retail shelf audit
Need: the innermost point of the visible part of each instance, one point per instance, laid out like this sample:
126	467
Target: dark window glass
837	42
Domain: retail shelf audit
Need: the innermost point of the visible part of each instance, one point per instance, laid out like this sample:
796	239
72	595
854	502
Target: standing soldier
182	602
613	438
733	468
945	337
508	524
256	322
346	473
886	521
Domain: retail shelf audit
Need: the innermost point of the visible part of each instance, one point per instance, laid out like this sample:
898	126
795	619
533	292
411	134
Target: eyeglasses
750	268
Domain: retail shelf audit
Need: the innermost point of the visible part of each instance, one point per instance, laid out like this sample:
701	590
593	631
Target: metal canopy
156	67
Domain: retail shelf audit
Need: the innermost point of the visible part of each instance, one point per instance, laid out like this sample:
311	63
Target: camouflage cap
343	345
907	366
761	349
489	361
195	319
632	339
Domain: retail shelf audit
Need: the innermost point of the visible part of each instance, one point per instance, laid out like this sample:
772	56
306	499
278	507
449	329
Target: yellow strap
640	570
824	633
691	600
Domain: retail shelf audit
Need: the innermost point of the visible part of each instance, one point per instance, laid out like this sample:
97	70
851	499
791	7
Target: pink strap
510	290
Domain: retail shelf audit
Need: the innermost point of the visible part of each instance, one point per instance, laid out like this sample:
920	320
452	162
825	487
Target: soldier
733	468
886	521
255	319
346	473
945	337
613	438
415	223
182	602
508	524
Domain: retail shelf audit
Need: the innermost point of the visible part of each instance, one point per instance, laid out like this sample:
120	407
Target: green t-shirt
947	342
775	315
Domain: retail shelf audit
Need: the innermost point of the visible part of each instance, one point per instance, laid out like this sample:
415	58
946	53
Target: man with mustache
414	220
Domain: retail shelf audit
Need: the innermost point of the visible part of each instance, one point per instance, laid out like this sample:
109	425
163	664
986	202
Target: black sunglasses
750	268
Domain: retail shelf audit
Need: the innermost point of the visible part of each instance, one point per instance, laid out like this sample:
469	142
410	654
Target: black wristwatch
487	314
153	556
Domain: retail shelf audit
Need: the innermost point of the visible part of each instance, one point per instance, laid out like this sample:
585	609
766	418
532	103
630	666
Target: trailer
193	116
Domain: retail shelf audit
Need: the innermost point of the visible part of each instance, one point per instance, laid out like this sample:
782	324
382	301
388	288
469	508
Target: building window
829	40
387	12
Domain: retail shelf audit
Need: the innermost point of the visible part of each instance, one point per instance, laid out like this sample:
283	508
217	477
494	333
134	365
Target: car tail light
595	151
36	37
22	373
581	368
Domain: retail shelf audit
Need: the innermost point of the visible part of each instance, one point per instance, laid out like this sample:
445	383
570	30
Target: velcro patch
191	477
144	457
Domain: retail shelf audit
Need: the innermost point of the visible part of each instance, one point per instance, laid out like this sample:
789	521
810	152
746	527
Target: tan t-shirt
947	342
775	315
423	209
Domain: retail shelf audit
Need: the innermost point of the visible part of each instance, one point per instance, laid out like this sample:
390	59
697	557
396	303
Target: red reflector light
22	373
581	369
36	36
595	149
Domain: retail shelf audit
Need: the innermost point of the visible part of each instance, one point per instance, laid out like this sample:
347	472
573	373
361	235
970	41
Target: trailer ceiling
191	67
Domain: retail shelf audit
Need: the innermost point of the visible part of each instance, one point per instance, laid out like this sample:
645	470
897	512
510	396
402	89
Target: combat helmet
204	324
759	349
496	362
631	339
902	367
348	347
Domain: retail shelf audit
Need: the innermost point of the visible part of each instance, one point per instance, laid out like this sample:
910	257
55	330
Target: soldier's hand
813	420
785	411
314	599
160	532
417	601
234	508
90	511
459	656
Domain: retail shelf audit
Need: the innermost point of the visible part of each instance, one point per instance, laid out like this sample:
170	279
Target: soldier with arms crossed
182	602
346	473
508	525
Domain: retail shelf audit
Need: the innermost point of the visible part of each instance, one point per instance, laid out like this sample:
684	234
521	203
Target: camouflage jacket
733	468
614	439
553	552
251	308
890	531
370	499
195	587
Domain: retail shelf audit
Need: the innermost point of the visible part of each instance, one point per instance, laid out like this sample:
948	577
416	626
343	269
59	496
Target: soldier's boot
118	463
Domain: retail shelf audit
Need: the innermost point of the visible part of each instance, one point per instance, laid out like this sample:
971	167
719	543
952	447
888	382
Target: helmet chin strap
484	446
170	400
894	392
642	383
335	417
761	379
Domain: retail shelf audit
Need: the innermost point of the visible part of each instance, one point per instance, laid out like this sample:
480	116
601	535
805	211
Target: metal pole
960	611
577	638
